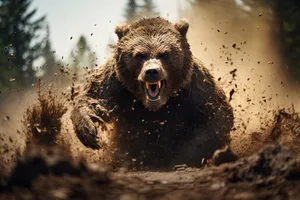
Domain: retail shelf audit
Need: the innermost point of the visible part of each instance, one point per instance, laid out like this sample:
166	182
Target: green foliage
4	64
20	41
289	23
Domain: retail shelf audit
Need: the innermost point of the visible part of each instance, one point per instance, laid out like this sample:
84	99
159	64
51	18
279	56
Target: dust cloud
240	45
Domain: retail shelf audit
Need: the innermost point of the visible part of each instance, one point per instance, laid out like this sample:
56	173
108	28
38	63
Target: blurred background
252	47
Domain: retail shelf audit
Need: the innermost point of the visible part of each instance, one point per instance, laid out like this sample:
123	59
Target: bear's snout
152	74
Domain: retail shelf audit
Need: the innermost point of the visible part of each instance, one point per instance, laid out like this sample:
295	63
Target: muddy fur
190	121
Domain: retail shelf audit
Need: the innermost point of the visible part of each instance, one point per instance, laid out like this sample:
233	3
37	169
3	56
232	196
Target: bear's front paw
86	128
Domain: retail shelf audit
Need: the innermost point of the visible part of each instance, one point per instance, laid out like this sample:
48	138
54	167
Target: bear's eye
163	56
140	56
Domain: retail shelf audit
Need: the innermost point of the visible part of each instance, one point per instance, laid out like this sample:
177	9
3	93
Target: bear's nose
152	75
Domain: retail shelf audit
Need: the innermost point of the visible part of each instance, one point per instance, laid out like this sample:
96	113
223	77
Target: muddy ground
50	172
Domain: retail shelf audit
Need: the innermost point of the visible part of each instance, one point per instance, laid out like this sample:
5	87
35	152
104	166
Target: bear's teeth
154	83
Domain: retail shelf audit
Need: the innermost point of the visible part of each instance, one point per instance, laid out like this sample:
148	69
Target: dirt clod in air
233	73
6	118
231	94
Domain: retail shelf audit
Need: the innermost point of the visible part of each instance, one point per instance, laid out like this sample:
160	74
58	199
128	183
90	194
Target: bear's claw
86	127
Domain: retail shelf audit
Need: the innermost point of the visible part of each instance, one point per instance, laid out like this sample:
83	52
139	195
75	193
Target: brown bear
163	104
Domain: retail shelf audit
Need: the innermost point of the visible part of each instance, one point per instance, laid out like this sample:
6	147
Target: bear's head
154	60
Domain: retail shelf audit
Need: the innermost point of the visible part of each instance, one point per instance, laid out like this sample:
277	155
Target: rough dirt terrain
273	173
48	174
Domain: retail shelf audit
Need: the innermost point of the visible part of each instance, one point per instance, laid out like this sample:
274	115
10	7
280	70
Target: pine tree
4	63
131	11
19	34
48	55
82	56
134	10
149	9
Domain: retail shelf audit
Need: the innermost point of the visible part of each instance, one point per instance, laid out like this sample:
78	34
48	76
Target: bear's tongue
153	89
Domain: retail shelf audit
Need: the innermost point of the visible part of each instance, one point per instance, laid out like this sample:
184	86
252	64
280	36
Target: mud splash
42	121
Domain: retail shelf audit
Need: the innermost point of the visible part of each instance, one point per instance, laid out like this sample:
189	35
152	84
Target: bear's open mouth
153	90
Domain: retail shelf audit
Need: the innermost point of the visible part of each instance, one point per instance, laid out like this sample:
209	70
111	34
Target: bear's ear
182	26
121	30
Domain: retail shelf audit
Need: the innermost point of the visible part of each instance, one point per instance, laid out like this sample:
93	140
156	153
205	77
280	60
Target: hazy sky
72	18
